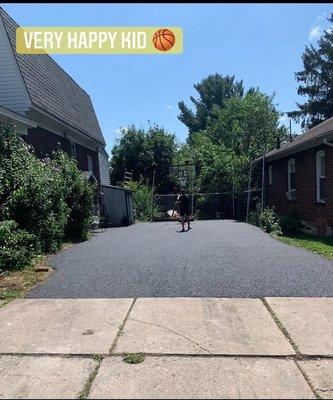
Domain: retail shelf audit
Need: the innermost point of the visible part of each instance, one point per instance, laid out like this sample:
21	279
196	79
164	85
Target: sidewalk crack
324	390
174	332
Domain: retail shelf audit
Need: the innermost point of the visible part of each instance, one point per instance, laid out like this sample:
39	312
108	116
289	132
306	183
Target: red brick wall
308	209
81	156
44	142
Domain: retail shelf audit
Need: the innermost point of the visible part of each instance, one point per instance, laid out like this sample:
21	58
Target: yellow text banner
99	40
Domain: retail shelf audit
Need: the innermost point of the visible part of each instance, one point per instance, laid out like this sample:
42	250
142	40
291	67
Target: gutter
14	116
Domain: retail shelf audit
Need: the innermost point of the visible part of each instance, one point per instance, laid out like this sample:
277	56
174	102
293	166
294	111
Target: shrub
290	223
18	247
78	194
32	192
207	206
142	200
267	220
48	198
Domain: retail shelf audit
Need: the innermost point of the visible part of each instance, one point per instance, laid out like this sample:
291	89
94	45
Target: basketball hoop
182	181
182	177
184	174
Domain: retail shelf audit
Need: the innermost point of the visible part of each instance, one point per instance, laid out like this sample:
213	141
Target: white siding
13	93
104	167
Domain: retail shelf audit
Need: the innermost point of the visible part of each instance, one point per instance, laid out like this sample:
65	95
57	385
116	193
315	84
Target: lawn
320	245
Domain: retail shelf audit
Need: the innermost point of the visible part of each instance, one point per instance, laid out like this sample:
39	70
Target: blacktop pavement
274	347
220	258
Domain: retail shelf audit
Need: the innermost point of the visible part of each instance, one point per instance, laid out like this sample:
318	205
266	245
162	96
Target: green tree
240	131
316	82
213	91
141	152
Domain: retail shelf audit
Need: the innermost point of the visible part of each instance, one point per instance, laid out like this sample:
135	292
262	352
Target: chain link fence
207	205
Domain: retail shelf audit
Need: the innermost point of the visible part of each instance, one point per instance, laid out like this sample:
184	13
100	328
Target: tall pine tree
316	82
213	91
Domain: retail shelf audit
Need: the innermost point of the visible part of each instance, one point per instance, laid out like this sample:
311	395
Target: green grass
134	358
319	245
11	294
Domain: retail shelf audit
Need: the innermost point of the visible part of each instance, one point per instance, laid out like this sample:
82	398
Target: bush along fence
42	202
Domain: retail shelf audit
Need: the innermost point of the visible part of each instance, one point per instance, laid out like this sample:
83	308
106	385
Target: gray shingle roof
310	138
53	90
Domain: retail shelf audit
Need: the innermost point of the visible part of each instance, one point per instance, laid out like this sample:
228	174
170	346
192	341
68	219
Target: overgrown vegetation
78	194
18	247
142	200
41	201
266	219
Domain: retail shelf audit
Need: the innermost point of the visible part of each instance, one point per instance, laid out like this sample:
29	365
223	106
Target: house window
90	163
73	149
270	175
291	175
320	175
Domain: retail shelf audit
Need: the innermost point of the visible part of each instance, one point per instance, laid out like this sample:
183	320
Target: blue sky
260	43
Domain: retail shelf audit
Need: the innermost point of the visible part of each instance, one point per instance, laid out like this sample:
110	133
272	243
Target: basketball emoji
164	39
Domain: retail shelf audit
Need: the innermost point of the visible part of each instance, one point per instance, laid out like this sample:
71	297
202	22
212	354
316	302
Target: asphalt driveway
214	259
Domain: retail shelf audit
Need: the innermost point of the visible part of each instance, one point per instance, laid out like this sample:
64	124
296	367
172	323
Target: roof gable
52	89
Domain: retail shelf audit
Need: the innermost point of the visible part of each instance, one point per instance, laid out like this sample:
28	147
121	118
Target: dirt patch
16	284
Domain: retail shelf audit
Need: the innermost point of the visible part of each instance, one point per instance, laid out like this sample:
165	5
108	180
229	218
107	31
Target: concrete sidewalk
193	348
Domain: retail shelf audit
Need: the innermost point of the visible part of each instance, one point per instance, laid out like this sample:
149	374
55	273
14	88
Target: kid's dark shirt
183	203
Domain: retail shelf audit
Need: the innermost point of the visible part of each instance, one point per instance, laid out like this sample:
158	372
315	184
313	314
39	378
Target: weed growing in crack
134	358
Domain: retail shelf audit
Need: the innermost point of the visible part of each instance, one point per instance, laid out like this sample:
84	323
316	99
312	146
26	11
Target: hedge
47	199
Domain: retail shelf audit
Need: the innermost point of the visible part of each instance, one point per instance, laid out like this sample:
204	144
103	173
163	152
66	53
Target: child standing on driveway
184	209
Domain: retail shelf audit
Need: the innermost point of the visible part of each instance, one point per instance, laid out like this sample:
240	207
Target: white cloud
319	27
315	33
169	107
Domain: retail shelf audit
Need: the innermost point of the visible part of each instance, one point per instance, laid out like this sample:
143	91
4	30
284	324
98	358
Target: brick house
49	108
299	177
